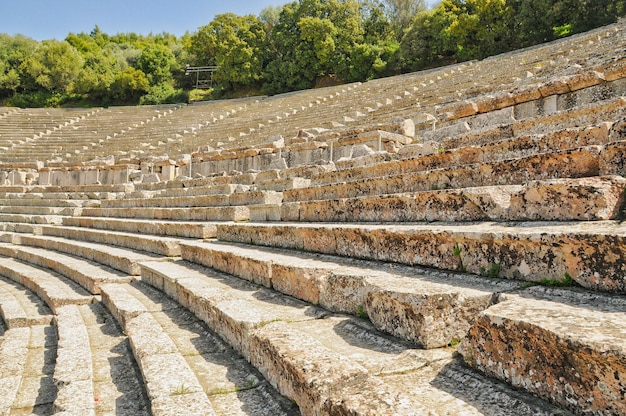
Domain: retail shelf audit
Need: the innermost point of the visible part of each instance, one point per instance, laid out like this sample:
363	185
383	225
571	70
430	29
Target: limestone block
618	131
501	99
588	199
554	87
526	110
485	103
451	130
569	347
615	70
613	159
320	380
583	80
459	110
595	258
526	93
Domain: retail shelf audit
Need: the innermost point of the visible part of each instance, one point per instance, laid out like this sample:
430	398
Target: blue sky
55	19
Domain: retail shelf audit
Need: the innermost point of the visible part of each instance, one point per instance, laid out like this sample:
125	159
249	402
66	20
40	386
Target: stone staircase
476	268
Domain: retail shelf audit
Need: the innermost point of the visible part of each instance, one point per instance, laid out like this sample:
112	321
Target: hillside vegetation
297	46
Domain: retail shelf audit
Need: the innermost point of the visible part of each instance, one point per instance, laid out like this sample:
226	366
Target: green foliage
164	94
493	271
402	12
129	85
233	43
566	281
362	313
54	66
312	39
285	48
156	61
454	342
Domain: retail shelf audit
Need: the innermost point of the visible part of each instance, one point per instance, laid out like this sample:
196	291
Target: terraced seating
27	352
445	242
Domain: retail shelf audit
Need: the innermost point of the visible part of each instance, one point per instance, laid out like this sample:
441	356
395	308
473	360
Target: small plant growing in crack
362	313
566	281
454	342
180	390
493	271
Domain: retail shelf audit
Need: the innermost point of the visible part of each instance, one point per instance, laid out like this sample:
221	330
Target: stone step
117	382
57	203
234	199
163	246
569	347
95	372
184	229
33	210
178	353
432	155
73	372
590	199
32	219
331	363
86	273
13	355
17	227
425	307
576	163
36	390
592	254
55	290
124	260
238	213
19	307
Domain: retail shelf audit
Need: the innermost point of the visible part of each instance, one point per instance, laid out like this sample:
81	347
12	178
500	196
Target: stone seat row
93	370
283	325
298	275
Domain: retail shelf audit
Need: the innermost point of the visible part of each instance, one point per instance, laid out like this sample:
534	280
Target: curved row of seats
477	268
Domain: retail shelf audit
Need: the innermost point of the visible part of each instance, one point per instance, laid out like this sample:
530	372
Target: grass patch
180	390
454	342
493	271
566	281
362	313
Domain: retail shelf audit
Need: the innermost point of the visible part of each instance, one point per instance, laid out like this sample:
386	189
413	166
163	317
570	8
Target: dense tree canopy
299	45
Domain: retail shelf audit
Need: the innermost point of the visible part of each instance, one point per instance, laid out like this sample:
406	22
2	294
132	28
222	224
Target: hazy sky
54	19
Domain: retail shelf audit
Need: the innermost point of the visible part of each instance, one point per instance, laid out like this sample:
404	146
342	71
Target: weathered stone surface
574	163
52	288
19	308
309	358
153	244
121	259
13	353
73	373
618	131
81	271
565	346
613	160
590	199
186	229
592	254
414	305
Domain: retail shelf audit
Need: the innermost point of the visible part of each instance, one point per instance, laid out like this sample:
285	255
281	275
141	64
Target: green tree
14	50
314	39
233	43
54	66
157	61
402	12
428	42
481	27
129	86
